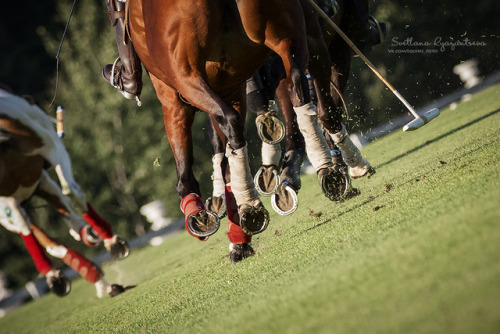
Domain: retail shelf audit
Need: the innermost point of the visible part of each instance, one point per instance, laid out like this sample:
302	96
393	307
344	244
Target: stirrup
126	94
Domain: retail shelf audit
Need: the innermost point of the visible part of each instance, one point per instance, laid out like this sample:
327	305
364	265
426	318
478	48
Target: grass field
417	252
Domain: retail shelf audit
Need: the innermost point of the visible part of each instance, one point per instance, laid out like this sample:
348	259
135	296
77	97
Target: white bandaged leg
271	154
242	184
73	219
350	153
217	177
13	217
316	145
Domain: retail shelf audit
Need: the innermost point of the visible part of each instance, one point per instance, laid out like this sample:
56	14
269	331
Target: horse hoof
253	219
89	236
58	284
364	169
334	183
270	128
285	201
267	180
238	252
203	224
117	289
117	247
217	205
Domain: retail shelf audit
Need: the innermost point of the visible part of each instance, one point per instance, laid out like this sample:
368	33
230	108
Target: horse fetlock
254	218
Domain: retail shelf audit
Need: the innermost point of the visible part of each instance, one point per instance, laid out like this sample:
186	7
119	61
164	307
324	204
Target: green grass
416	252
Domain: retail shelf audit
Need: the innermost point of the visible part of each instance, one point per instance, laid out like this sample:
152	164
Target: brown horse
329	66
262	88
22	175
202	52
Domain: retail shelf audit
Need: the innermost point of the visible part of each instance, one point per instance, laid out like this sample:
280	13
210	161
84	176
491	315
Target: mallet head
422	120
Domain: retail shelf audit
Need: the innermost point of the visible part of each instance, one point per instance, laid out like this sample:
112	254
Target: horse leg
254	218
50	191
341	61
90	235
294	53
14	218
285	200
91	272
178	119
215	203
260	99
239	247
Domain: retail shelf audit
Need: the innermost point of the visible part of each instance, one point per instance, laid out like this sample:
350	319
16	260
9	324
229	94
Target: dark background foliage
114	144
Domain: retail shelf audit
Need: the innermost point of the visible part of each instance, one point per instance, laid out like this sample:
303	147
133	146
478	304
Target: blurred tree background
121	156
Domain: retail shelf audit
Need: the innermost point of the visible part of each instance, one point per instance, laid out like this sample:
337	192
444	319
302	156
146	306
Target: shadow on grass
438	138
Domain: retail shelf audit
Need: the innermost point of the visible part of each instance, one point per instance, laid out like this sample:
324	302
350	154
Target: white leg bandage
316	145
242	184
271	154
13	217
217	177
350	153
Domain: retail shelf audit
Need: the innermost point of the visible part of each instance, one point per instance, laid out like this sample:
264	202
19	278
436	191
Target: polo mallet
419	120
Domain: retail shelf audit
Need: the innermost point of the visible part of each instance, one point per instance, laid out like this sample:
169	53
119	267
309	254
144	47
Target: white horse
27	142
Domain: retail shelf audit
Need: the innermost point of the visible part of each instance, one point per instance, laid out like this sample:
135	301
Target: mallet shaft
362	56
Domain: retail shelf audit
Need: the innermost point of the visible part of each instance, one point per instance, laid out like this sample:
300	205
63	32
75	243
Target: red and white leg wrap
191	204
40	258
100	225
86	268
235	233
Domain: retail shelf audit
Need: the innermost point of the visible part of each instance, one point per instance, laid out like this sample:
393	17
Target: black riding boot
364	29
127	77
